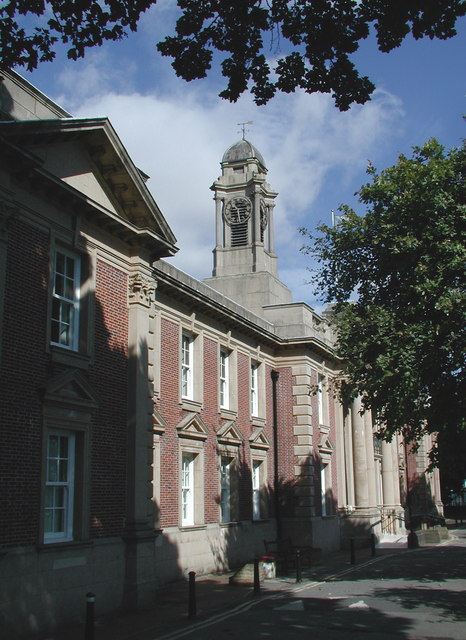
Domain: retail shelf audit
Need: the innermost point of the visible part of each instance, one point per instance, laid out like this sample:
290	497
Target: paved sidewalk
214	595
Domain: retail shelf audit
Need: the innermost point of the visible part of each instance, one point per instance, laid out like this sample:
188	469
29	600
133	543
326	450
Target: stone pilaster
140	581
303	445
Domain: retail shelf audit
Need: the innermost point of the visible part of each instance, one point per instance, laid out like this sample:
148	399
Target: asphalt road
417	595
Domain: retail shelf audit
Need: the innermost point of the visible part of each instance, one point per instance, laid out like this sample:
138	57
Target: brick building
154	424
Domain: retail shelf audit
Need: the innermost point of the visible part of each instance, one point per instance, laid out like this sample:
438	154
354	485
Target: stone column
257	216
361	489
218	223
396	471
348	462
388	474
340	453
369	437
271	229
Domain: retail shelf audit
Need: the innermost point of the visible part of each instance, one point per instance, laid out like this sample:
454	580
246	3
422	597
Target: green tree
397	278
318	36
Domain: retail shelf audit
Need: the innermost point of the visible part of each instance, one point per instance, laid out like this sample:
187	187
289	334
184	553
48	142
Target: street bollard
257	583
90	616
352	552
192	595
298	566
373	551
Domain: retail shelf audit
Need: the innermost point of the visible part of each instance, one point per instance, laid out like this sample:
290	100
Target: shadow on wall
421	509
285	503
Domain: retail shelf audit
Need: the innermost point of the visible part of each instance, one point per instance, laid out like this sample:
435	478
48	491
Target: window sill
193	527
230	525
72	544
191	405
261	521
228	414
69	358
259	422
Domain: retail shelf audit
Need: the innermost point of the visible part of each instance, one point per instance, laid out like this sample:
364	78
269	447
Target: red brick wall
23	373
173	413
26	369
108	377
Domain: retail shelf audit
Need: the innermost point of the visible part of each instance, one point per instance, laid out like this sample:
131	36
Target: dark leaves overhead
309	42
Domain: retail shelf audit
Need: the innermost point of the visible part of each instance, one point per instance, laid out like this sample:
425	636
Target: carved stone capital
141	289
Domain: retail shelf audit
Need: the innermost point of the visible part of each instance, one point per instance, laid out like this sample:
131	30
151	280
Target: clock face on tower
237	210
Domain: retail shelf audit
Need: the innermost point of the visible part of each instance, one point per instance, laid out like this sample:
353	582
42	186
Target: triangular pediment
326	445
192	426
158	422
86	158
259	439
229	434
70	389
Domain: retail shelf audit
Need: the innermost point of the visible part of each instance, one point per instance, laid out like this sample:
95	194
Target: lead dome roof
242	150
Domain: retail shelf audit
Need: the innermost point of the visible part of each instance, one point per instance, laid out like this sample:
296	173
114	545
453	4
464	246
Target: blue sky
177	132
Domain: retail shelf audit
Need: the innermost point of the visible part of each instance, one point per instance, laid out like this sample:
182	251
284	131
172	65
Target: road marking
358	605
245	606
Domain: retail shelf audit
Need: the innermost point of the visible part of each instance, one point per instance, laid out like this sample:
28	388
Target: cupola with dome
245	264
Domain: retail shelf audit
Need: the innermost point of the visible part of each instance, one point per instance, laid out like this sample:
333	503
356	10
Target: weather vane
243	126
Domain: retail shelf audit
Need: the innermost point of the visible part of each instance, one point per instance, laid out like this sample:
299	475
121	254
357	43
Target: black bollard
352	552
192	595
373	545
90	616
298	566
257	582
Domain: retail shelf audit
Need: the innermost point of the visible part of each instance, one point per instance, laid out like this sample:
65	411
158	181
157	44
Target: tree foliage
397	278
317	38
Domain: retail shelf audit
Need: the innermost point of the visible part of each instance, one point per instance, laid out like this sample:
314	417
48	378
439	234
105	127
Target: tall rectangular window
254	389
224	379
322	400
327	502
226	467
59	486
187	363
65	300
256	489
187	489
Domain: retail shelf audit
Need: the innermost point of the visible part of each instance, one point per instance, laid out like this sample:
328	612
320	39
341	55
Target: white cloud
179	137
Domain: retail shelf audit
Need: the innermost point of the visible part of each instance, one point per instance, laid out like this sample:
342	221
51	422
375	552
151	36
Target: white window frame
327	506
187	488
323	400
65	303
187	366
256	489
254	390
224	379
226	470
59	488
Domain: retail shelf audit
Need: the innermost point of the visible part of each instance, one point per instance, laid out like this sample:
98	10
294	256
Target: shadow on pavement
451	604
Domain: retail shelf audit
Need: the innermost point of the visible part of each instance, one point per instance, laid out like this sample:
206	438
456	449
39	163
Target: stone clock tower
245	265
